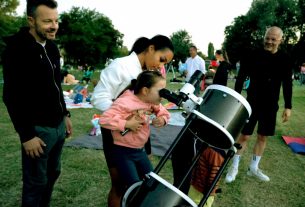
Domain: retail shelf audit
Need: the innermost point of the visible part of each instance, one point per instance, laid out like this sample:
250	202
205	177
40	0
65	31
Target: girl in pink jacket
132	111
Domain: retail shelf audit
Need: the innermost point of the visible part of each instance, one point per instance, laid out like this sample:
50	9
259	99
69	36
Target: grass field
84	180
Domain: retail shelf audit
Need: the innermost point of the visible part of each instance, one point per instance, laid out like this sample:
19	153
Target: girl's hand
158	122
134	123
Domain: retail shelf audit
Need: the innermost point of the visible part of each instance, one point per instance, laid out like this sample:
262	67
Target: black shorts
266	120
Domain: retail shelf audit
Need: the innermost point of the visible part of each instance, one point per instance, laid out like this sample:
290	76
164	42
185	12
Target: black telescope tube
172	97
196	77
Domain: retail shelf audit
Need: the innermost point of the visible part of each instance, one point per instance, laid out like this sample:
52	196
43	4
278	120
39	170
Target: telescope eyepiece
170	96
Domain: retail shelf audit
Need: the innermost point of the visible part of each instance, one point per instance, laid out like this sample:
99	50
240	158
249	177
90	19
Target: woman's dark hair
146	79
224	54
218	52
65	73
159	41
33	4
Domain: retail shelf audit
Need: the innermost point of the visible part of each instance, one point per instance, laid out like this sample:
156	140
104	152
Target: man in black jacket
268	69
33	96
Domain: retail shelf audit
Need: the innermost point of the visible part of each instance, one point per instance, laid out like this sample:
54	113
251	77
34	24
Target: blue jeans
132	164
41	173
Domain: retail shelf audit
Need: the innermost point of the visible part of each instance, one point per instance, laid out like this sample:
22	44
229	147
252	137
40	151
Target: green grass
84	180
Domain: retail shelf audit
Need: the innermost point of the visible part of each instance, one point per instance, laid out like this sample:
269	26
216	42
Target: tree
88	37
211	51
299	49
182	42
247	31
301	5
267	13
9	23
8	7
236	42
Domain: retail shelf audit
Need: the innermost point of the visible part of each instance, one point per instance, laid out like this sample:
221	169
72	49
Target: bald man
268	69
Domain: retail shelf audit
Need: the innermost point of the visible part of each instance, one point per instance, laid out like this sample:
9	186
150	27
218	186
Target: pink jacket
126	105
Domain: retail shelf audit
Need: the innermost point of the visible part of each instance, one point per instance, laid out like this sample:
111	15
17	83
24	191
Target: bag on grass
78	98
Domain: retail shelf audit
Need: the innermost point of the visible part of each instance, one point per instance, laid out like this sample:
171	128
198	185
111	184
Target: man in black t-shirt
268	69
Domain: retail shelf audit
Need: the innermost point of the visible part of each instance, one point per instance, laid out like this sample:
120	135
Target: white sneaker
231	175
259	174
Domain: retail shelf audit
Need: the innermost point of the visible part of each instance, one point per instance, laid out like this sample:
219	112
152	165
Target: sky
205	21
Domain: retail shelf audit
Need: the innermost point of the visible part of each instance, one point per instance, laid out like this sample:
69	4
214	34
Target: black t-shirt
267	72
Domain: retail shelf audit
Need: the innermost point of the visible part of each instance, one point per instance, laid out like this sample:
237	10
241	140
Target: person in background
302	74
183	153
146	54
211	159
204	173
269	69
182	68
88	72
132	111
237	65
39	116
69	79
163	71
62	62
223	69
193	63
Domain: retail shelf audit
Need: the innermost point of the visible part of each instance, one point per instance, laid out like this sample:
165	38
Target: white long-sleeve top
114	79
193	64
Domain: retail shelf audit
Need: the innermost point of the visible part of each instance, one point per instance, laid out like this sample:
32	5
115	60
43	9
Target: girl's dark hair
33	4
159	41
146	79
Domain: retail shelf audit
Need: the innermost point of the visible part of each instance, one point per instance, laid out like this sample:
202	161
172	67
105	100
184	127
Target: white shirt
114	79
193	64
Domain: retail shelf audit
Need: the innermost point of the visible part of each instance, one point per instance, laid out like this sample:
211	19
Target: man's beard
42	35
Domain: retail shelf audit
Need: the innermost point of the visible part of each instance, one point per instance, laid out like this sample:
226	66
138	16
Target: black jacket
32	89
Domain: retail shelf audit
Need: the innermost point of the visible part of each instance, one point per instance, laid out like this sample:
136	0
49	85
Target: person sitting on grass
131	111
88	72
204	173
69	79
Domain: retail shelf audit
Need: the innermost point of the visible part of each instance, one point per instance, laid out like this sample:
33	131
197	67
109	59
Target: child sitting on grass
204	174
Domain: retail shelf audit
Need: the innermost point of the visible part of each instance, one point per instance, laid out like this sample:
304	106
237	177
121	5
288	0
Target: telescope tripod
230	153
140	197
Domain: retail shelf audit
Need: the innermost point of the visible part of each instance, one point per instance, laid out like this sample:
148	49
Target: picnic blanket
161	139
296	144
71	105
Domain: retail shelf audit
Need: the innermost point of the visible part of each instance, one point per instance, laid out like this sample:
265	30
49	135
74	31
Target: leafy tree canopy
9	23
211	51
88	37
182	42
247	31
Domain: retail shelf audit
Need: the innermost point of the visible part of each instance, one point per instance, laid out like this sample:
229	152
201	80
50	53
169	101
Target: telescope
216	119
